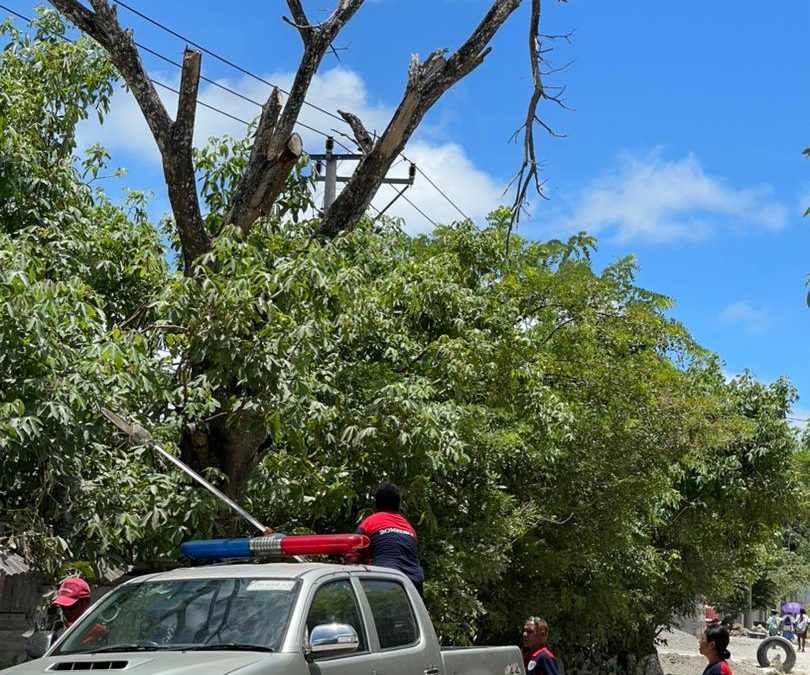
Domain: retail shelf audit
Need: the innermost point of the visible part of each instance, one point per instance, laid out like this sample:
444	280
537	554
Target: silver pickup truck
265	619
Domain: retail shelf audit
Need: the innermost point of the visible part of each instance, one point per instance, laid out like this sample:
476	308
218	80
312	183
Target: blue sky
683	145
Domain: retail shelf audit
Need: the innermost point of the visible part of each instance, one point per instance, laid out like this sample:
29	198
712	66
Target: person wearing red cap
72	598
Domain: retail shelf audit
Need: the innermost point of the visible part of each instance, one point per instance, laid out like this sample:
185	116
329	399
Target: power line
222	59
424	215
440	191
233	92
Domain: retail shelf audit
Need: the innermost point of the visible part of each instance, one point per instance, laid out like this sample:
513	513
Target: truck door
335	602
404	649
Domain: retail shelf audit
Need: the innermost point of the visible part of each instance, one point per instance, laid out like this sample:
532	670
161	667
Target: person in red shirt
392	538
714	646
537	658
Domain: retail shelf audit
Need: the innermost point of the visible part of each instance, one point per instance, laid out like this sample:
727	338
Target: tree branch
529	172
241	214
427	82
361	136
173	138
266	176
299	19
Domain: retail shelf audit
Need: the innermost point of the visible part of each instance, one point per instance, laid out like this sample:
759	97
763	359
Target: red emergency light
274	544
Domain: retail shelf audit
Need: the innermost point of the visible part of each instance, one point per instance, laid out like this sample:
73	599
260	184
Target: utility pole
331	178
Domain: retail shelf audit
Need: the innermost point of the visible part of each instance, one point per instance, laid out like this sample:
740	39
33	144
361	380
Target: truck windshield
187	614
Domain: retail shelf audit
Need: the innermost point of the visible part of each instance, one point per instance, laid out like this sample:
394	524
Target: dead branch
299	19
173	138
267	173
427	82
361	136
529	172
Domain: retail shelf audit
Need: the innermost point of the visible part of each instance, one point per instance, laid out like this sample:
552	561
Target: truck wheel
773	648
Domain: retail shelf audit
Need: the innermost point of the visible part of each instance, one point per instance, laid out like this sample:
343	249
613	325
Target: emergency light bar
274	544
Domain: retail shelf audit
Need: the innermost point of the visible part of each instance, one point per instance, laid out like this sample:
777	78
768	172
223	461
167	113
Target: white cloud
475	192
754	320
654	200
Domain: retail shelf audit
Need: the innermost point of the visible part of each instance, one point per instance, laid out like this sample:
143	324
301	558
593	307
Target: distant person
536	656
72	599
801	629
774	623
393	539
714	646
788	624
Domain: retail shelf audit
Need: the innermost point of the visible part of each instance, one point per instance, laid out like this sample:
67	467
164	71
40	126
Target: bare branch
529	172
173	138
427	82
187	100
362	136
299	19
278	148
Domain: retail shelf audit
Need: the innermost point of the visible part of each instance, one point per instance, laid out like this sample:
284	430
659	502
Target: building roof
11	563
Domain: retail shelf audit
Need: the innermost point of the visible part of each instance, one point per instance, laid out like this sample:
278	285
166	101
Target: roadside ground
680	656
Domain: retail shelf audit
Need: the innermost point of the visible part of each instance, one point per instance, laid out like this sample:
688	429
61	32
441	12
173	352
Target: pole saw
137	435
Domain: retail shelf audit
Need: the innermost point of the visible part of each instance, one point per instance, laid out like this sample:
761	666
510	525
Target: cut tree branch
427	82
265	177
361	136
173	138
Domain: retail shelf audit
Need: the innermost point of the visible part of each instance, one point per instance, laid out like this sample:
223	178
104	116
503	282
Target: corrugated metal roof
11	563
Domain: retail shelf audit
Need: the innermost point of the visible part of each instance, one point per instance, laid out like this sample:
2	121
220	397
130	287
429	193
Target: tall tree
236	441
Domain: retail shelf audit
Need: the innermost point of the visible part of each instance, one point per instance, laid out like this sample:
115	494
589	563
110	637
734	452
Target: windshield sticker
270	585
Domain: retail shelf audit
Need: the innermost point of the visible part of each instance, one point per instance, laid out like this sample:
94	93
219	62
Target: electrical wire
233	92
222	59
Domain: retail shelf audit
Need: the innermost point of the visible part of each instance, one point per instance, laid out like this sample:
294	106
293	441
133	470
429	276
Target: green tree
74	272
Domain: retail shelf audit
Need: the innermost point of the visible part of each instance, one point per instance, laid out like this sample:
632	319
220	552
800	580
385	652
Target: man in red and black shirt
536	656
393	540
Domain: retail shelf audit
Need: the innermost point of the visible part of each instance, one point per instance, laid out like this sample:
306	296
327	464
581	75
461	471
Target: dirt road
680	656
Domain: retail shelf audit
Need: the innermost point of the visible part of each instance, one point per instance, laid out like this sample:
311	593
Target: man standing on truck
393	539
537	658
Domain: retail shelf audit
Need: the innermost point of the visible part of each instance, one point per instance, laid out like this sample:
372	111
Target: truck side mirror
38	643
332	638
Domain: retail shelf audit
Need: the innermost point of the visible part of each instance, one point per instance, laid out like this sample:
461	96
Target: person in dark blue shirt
537	658
392	538
714	646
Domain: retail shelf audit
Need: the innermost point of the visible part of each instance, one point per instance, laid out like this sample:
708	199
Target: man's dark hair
387	497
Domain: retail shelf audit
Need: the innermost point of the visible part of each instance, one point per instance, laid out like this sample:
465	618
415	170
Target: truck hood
140	663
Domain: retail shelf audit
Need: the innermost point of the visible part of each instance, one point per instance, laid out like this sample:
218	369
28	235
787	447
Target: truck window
335	603
188	614
393	615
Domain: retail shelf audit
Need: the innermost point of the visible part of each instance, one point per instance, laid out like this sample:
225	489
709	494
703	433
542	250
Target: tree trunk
233	445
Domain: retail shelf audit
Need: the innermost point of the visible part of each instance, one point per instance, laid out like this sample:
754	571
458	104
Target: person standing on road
774	623
537	658
801	629
393	539
787	626
714	646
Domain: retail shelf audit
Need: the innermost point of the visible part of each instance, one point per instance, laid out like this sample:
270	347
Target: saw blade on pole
140	436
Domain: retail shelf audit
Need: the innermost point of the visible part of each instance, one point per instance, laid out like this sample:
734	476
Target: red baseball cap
70	591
